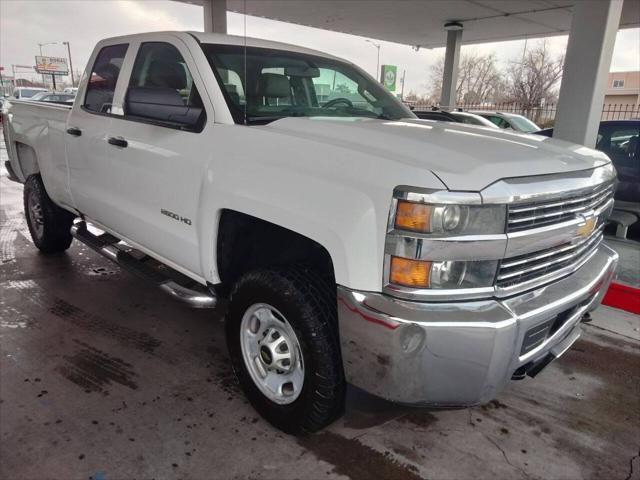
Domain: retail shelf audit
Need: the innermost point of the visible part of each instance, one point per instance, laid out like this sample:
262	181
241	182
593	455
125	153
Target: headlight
443	244
450	274
449	219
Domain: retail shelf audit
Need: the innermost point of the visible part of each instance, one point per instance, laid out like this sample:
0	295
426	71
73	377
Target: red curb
623	297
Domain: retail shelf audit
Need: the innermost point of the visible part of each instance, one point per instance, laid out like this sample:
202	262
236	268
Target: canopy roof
420	22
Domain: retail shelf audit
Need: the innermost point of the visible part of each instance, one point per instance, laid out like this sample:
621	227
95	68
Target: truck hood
463	157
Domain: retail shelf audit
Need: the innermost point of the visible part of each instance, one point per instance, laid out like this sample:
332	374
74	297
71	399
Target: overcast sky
25	23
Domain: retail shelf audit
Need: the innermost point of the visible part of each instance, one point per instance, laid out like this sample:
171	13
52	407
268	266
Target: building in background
623	88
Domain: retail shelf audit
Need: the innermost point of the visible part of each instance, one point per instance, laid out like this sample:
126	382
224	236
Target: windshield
39	95
287	84
28	93
523	123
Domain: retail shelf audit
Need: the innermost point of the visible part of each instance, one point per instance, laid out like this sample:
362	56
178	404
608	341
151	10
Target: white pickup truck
426	262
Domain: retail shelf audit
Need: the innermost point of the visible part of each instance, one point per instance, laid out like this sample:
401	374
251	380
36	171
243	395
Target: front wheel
49	225
282	339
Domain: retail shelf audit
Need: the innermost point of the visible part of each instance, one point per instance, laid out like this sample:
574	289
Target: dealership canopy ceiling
420	22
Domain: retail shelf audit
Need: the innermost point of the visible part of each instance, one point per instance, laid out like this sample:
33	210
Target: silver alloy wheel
35	214
271	353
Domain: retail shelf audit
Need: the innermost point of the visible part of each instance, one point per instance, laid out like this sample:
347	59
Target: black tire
51	228
309	305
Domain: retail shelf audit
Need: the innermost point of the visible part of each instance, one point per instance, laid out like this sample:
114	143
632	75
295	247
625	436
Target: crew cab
426	262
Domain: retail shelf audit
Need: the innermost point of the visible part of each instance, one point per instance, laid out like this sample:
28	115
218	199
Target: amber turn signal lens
409	273
413	216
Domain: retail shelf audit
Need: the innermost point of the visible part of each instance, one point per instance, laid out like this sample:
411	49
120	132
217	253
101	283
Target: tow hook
586	318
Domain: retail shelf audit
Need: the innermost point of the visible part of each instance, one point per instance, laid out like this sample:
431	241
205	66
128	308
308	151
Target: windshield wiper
272	118
383	116
265	118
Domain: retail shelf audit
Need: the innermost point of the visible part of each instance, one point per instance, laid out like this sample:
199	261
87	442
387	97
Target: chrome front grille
525	216
551	262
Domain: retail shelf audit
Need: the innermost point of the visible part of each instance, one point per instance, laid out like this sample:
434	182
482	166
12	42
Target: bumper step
136	262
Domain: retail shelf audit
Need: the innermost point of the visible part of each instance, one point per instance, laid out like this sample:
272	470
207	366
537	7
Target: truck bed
31	127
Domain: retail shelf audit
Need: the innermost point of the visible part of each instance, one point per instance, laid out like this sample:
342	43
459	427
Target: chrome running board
144	266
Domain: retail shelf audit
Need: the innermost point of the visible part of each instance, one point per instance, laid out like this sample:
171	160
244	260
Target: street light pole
377	45
73	81
44	84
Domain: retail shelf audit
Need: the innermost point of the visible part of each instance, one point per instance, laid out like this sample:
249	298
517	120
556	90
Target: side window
620	144
104	76
496	120
501	122
161	88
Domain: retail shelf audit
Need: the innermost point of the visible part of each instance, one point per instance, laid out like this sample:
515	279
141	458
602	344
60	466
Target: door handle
118	142
75	131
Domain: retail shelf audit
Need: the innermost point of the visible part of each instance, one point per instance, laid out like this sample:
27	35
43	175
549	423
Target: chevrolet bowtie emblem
585	229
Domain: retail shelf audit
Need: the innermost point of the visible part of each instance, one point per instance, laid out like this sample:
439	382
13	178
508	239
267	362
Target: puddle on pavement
355	460
12	318
94	323
101	271
364	411
94	370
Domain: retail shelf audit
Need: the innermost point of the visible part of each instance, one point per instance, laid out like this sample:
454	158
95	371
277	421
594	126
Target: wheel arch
27	159
245	242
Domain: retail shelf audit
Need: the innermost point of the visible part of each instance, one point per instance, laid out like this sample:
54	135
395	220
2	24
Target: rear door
86	136
158	167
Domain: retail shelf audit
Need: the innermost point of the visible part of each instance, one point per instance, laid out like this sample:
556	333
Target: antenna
246	81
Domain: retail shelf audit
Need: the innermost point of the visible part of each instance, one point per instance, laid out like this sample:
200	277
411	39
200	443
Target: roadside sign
388	75
51	65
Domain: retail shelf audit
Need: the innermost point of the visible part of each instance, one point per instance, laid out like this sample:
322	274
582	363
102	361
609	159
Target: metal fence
544	115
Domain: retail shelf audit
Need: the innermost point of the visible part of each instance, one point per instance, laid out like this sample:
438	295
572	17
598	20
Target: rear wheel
282	339
49	224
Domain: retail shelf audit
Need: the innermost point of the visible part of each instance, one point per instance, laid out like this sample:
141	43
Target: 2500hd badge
175	216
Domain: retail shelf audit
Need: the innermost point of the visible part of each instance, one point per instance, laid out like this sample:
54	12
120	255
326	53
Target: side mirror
163	105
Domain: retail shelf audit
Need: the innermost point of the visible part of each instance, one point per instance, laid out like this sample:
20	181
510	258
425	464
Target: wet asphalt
104	377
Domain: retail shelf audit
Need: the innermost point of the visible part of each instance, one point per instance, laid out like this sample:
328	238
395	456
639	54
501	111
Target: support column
451	63
591	40
215	16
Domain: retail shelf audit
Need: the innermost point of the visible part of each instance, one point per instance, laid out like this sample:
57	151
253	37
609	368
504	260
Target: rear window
104	77
523	123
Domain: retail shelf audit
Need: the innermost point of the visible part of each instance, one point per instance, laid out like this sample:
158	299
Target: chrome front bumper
461	353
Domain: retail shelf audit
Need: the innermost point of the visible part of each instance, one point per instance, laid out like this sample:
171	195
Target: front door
158	166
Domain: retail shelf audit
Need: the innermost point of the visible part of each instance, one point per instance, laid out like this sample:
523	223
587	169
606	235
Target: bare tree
413	98
534	80
479	79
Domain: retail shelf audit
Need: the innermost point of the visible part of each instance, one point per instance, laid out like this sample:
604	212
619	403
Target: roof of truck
222	39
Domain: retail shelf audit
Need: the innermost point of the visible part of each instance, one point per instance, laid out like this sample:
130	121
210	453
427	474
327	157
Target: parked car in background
619	140
460	117
516	122
22	93
435	115
3	102
54	97
472	119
